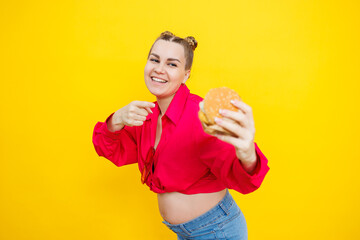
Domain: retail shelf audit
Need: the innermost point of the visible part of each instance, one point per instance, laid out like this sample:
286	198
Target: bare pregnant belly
178	208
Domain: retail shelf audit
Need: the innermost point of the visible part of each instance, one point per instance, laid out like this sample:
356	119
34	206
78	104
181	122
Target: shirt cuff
107	132
261	165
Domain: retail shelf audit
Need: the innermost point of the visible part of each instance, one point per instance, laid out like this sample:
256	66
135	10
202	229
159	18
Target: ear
187	75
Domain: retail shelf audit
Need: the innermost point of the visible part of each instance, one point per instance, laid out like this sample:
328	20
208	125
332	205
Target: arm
119	146
116	138
240	161
221	158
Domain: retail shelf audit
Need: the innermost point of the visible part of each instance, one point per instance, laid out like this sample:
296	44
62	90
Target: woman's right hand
133	114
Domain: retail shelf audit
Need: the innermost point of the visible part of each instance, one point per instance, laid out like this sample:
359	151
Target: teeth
158	80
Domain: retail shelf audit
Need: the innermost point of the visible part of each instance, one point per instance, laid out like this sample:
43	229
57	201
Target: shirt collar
176	106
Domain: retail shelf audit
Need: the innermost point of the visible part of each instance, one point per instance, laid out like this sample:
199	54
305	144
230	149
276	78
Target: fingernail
232	101
222	112
217	120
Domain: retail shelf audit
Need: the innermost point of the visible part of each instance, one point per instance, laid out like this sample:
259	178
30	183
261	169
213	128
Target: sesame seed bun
216	99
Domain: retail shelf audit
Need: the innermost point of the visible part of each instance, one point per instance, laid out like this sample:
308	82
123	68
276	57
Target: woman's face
165	69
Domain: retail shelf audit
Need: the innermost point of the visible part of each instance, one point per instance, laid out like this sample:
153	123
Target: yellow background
67	64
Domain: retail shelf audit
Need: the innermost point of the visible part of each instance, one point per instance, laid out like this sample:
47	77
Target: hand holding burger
224	115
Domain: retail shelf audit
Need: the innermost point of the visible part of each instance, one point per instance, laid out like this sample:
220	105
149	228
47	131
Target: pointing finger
144	104
148	110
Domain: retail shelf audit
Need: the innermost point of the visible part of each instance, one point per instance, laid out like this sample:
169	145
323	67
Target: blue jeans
224	221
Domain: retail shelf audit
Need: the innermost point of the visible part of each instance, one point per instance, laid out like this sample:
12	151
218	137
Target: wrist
249	163
112	127
250	160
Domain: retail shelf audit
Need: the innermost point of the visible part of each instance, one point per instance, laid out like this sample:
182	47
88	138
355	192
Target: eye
154	60
173	64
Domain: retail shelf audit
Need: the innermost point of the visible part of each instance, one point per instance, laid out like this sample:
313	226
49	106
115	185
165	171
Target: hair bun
192	42
167	33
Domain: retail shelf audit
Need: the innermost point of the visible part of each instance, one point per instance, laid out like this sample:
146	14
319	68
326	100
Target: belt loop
182	227
225	209
225	202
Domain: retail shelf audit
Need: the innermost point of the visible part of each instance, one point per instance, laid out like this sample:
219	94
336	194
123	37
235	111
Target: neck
164	103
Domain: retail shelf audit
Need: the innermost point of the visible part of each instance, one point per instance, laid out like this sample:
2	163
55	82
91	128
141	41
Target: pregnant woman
189	170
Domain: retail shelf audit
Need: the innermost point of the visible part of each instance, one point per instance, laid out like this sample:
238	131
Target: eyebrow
169	59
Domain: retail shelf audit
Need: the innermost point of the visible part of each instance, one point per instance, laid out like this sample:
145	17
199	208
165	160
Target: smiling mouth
158	80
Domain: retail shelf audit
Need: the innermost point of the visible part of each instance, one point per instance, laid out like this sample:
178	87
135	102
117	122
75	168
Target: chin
156	92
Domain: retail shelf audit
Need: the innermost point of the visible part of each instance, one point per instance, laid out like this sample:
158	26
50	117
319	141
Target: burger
216	99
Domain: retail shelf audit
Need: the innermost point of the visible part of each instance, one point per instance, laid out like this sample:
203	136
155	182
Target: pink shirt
186	160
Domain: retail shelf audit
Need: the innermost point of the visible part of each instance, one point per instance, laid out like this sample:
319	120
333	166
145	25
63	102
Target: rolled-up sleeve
221	158
119	147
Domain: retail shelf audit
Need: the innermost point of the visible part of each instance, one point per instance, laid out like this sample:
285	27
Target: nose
159	68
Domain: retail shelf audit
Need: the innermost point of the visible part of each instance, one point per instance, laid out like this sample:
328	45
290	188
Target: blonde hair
189	44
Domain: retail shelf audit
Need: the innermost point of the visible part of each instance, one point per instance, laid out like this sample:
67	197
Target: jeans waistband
223	207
